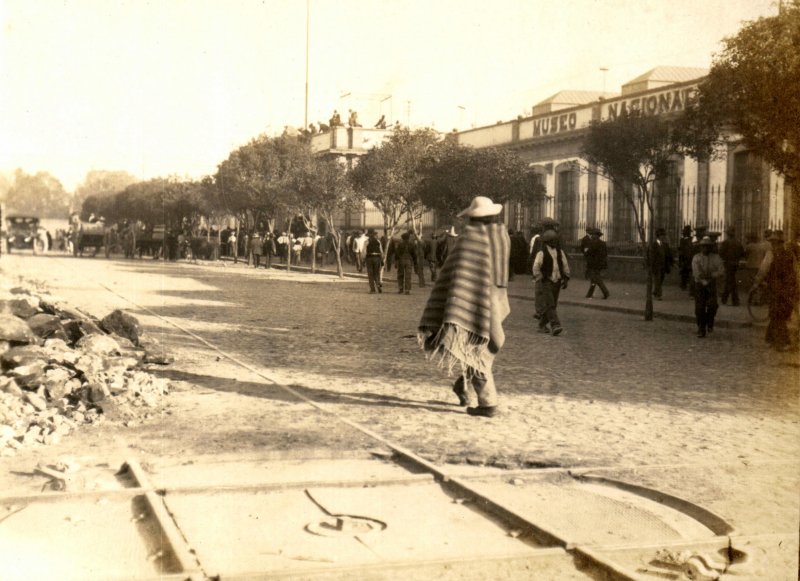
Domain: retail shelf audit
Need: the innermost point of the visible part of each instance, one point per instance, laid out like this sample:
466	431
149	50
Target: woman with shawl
462	323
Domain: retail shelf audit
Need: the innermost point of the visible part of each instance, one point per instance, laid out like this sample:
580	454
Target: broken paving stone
36	401
98	345
20	307
122	324
76	329
11	386
23	355
29	376
15	330
45	325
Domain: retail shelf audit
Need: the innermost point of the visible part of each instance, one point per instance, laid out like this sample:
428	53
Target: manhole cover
345	526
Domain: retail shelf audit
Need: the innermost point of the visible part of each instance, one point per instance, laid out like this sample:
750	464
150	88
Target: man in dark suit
660	261
596	255
731	252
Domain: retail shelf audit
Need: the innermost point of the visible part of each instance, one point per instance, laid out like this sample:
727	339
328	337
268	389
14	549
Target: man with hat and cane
778	272
706	269
462	323
596	255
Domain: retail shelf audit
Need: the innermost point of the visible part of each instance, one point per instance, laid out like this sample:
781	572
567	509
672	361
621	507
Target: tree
752	94
40	195
389	177
454	174
102	183
754	88
322	190
633	151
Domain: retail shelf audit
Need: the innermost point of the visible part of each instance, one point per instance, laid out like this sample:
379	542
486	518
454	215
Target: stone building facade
738	189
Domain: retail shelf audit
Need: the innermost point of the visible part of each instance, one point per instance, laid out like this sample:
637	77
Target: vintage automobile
24	232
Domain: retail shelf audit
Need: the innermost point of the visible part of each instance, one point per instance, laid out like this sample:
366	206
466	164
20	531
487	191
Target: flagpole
308	9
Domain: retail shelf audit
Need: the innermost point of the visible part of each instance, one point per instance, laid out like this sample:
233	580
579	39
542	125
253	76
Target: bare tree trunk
337	248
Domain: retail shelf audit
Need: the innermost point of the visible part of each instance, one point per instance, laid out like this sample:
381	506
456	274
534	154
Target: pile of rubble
62	368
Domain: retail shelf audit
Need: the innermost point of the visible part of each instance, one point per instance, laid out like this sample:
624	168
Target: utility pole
308	18
408	114
604	71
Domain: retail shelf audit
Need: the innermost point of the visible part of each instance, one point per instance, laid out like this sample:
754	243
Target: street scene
337	339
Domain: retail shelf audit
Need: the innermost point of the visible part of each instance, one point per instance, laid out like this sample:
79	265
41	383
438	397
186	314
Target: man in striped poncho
463	320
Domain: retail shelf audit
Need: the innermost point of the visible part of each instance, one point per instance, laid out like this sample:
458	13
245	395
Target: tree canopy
753	87
453	174
389	175
39	195
634	150
100	183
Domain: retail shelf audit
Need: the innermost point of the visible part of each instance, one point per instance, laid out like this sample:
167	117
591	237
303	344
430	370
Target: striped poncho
456	322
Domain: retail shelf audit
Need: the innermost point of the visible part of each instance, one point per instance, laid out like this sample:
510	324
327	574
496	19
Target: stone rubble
61	368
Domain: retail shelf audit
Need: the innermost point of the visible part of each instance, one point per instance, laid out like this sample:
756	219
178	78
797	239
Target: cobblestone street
714	419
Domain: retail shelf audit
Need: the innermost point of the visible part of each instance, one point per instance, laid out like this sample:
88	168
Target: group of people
336	121
254	247
461	324
704	262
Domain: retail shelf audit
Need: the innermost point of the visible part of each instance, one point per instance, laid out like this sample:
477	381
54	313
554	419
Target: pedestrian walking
419	263
731	252
446	245
685	256
706	269
429	255
519	253
778	272
405	256
233	246
256	249
360	249
660	262
269	249
463	319
596	255
374	261
551	274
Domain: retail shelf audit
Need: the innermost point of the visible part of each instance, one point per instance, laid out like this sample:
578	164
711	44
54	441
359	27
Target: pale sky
170	87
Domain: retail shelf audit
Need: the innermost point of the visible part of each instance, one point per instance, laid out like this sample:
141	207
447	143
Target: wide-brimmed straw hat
706	241
480	207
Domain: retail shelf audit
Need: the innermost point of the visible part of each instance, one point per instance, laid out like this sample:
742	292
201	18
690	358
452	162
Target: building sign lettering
555	124
665	102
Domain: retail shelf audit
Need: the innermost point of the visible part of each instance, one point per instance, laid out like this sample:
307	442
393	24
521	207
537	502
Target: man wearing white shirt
551	273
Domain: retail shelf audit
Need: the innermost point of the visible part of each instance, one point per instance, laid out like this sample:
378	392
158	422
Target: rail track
389	514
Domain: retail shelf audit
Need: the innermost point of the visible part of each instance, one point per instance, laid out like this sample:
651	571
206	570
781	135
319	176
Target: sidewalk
626	297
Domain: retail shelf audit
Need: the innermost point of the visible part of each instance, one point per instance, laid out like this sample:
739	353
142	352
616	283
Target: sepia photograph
446	290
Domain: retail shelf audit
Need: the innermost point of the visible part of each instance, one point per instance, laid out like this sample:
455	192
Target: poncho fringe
455	325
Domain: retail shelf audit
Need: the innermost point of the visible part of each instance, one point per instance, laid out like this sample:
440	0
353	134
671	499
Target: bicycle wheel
758	304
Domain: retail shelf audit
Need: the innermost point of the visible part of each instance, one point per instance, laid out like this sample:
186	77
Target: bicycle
758	303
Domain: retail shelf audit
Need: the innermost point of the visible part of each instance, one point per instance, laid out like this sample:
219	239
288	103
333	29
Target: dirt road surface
713	421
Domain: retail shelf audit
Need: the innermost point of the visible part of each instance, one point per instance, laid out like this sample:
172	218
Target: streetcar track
453	484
